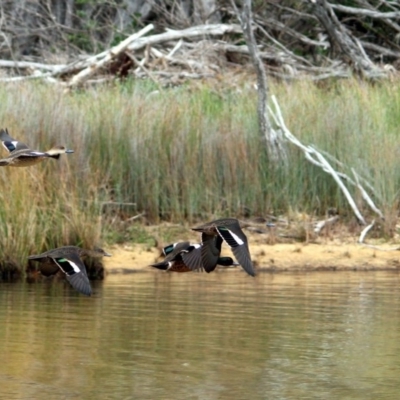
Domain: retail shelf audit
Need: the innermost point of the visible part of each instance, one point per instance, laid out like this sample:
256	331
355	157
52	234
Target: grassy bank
183	154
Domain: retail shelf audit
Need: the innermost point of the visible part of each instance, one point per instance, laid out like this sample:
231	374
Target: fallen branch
366	13
292	38
325	223
25	78
341	185
112	53
345	41
142	42
316	158
370	246
366	196
32	65
365	231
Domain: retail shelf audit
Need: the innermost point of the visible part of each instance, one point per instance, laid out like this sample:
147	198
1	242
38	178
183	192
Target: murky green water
198	336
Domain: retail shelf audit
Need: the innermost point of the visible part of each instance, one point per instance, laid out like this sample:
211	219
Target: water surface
199	336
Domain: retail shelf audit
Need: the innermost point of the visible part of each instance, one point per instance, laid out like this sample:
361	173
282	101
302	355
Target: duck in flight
68	260
20	155
225	230
186	257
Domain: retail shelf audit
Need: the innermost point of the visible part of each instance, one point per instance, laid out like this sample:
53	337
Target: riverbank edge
276	258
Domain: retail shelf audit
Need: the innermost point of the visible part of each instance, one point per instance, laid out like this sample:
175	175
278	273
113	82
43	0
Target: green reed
184	154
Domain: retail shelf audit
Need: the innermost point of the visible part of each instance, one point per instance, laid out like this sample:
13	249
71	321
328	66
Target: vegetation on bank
183	154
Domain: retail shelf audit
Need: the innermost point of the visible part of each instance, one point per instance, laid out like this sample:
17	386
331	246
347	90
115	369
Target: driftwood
142	43
30	65
340	37
32	27
320	225
365	231
317	158
80	70
313	40
112	53
371	246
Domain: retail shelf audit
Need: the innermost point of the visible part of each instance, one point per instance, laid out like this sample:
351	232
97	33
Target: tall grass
183	154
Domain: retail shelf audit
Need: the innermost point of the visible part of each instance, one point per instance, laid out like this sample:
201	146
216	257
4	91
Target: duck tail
161	265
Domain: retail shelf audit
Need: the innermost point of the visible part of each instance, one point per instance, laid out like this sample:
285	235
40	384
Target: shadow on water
199	336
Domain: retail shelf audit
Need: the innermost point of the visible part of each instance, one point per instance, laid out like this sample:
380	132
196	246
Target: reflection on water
198	336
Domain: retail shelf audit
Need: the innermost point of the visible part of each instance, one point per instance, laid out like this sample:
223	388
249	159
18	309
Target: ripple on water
222	336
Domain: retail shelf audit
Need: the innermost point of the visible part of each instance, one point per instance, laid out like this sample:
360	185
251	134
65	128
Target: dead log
340	37
149	41
79	78
31	65
275	147
316	157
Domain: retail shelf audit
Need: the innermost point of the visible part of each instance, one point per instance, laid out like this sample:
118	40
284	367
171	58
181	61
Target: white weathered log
310	152
33	65
25	77
324	223
341	185
366	13
356	183
195	31
366	196
170	35
176	48
370	246
314	157
381	51
111	54
365	231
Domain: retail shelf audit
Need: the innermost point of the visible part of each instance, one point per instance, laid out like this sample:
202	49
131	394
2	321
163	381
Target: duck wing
192	257
9	143
237	241
75	271
210	251
175	248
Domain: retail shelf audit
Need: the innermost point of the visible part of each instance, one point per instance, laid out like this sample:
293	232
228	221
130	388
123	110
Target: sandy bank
279	257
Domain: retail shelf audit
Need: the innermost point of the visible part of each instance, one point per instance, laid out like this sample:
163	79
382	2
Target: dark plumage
229	231
175	255
68	259
186	257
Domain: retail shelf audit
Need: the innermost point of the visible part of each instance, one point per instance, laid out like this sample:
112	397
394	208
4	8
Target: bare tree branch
275	147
